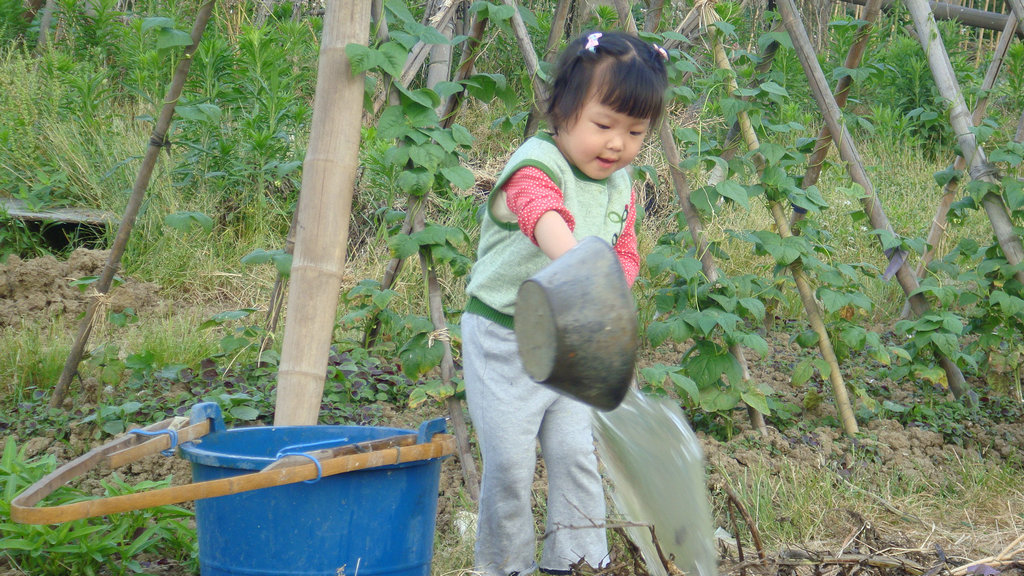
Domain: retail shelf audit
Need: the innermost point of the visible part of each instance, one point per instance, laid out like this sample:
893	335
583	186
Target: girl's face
601	140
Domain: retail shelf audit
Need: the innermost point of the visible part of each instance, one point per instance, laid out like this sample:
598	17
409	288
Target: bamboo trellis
157	141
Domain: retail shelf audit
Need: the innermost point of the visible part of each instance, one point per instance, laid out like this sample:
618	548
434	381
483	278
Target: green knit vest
506	257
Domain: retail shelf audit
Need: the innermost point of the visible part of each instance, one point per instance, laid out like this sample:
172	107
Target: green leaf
427	156
824	368
784	251
185	221
1011	306
733	191
459	176
244	413
226	316
1013	193
753	306
946	343
403	246
832	300
773	88
421	96
392	123
462	136
205	113
943	177
420	355
718	399
711	363
756	400
260	256
416	181
726	28
674	329
172	38
156	22
685	385
807	338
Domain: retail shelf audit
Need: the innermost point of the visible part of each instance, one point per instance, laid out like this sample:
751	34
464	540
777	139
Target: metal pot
576	326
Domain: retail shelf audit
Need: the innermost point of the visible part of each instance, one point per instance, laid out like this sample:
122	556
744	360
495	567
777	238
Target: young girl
557	188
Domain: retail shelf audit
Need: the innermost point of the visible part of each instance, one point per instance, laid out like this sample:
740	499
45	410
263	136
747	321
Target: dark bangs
629	87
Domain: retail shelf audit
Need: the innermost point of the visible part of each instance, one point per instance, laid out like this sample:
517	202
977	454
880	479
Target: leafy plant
91	546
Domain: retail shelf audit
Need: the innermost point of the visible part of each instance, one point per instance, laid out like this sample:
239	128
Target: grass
971	509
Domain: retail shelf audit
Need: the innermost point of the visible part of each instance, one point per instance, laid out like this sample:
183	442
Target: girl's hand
553	235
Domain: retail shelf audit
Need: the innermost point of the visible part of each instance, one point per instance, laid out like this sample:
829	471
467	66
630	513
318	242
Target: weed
94	545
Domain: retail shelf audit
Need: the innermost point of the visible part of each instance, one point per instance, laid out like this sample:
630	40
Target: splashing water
656	466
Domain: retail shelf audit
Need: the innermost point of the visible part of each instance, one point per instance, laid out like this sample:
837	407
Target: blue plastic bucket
373	521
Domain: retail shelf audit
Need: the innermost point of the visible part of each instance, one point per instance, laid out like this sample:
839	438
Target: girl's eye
635	133
601	126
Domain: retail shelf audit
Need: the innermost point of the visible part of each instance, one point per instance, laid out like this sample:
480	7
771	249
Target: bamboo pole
945	11
469	56
732	138
949	192
550	52
454	405
842	92
694	222
413	221
803	285
45	22
417	54
978	164
328	178
157	140
522	35
855	166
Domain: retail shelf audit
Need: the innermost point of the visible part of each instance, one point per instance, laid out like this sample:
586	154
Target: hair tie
592	42
660	50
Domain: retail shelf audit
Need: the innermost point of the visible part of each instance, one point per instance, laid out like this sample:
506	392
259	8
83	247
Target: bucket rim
221	449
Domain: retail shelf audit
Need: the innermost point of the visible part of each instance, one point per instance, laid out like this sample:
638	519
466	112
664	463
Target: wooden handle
24	512
327	453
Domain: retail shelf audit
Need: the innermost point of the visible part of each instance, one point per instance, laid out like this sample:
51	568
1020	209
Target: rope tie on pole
985	171
101	301
440	335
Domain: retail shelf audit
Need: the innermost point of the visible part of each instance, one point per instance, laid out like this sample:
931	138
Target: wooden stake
980	169
157	140
45	22
328	178
949	192
842	92
550	52
454	405
855	167
803	285
694	222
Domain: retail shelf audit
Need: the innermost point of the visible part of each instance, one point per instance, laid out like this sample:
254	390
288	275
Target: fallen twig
1007	556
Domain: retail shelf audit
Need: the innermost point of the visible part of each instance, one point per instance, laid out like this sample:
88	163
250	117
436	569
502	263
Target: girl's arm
537	203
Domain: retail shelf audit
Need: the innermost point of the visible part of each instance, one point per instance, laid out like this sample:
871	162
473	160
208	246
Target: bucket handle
290	469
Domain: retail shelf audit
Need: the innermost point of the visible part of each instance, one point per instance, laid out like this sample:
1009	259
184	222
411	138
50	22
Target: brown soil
886	545
41	288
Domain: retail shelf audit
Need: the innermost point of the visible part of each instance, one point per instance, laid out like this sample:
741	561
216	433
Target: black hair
623	72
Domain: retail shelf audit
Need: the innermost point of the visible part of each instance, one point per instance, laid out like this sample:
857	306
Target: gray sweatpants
510	413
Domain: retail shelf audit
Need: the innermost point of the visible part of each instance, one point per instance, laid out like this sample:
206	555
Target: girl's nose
615	142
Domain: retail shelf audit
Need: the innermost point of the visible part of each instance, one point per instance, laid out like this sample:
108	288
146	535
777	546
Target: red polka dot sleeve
530	193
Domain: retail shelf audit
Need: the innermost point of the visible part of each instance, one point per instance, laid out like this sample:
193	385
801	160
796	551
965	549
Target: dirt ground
39	289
